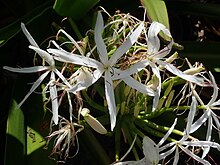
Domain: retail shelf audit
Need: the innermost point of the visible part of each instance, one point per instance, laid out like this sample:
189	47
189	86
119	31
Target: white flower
184	143
209	115
106	66
51	68
157	56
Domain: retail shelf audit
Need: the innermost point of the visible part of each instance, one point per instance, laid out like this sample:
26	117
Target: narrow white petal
151	150
99	27
176	157
125	163
165	51
138	86
200	121
110	98
64	56
44	55
167	153
53	97
137	67
216	119
28	35
156	71
197	158
153	40
72	40
217	103
191	115
126	45
208	137
34	86
61	77
179	73
27	70
168	133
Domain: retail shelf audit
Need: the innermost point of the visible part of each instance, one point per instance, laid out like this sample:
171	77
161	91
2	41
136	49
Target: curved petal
61	77
165	51
72	40
176	157
167	153
215	90
192	155
110	98
153	41
180	74
64	56
138	86
28	35
126	45
99	27
208	137
34	86
137	67
156	71
44	55
168	133
27	70
191	115
200	121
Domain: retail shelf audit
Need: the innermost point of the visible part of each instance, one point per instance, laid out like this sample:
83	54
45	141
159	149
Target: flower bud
93	122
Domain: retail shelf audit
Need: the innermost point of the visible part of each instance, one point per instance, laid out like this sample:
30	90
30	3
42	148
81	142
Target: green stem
142	124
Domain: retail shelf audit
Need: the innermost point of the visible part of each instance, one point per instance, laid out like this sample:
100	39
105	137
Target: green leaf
34	140
157	11
15	141
11	30
74	8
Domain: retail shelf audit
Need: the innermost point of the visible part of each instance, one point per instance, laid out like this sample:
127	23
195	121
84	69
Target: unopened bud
93	122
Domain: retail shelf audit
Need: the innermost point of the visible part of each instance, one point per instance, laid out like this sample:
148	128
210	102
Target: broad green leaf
34	140
157	11
74	8
11	30
15	141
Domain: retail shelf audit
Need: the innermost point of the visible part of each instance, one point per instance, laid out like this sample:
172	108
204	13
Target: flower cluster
124	61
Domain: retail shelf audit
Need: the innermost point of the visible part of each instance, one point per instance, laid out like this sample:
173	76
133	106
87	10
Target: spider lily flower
209	115
184	143
47	69
105	66
157	56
